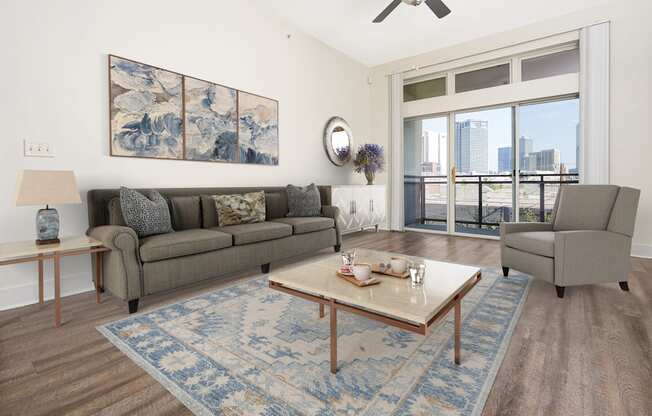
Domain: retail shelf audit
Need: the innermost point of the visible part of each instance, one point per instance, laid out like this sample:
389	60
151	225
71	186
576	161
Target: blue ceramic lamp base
47	226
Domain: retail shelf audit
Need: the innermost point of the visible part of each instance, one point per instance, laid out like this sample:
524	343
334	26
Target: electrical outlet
38	149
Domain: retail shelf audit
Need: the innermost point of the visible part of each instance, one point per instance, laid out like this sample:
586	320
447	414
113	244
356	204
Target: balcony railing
483	209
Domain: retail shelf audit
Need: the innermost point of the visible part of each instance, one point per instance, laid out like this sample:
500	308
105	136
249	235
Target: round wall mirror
338	141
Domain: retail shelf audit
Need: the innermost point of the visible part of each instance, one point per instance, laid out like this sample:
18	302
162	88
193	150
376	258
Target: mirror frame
332	124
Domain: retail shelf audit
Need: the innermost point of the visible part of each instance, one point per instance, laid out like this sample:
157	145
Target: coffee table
394	301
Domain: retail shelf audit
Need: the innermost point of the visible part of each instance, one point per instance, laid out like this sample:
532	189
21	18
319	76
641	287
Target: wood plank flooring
587	354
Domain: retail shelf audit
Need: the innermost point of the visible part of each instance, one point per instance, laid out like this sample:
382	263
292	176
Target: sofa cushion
303	202
185	212
146	212
584	207
253	233
303	225
238	209
535	242
182	243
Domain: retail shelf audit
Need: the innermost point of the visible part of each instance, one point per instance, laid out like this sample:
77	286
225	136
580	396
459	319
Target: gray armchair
588	241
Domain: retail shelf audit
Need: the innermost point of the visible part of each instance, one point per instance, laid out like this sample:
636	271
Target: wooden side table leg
321	310
57	290
458	329
98	277
40	281
333	338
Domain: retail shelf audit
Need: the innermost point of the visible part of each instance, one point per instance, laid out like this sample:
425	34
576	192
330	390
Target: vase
370	176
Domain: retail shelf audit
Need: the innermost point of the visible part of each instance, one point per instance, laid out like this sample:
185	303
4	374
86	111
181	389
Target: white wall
55	90
631	92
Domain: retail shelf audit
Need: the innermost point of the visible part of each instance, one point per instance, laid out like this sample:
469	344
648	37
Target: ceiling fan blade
387	11
438	7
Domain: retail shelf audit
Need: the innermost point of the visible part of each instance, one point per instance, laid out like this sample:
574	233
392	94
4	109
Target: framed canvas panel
211	121
258	129
146	110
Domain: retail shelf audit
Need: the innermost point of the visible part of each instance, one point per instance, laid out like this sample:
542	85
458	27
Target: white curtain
396	151
594	104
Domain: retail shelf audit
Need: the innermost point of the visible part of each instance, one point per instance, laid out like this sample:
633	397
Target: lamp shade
47	187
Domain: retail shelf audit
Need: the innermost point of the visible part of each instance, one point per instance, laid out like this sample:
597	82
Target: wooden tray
351	279
376	269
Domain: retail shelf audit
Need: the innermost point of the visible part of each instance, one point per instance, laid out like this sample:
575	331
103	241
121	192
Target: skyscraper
548	160
471	146
505	159
434	152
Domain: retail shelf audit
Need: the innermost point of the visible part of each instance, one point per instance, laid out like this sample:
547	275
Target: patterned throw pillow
147	212
303	202
240	208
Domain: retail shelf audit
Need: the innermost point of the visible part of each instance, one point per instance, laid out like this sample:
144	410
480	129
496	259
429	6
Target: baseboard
27	294
642	250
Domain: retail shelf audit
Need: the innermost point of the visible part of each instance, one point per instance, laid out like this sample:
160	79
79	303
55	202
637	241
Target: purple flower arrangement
369	159
343	153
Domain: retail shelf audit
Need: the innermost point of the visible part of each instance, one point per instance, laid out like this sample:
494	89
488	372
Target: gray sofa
588	241
199	249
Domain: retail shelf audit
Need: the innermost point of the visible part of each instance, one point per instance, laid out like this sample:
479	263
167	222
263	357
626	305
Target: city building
471	146
504	159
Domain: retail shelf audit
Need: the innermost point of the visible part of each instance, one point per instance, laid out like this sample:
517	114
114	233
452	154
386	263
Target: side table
27	251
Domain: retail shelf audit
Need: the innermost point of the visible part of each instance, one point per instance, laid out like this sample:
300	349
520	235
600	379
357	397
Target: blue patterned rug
249	350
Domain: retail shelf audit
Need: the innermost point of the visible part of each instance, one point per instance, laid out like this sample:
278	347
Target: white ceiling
346	24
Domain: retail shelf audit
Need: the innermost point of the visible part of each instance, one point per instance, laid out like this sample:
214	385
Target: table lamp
47	187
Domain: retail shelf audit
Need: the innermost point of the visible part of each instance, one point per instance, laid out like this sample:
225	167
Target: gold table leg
57	290
333	338
458	329
98	277
40	281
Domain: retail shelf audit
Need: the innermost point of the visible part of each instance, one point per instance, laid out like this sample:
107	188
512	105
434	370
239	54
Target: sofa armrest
122	268
522	227
333	212
588	256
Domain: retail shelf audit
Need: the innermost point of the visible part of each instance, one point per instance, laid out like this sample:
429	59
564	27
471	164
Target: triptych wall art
160	114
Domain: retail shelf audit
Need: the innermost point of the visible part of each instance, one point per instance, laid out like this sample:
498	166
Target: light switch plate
38	149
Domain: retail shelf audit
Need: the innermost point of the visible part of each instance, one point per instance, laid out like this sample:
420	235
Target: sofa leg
560	291
265	268
133	306
337	248
624	286
505	271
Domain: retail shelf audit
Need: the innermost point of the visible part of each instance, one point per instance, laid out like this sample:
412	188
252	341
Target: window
492	76
424	89
558	63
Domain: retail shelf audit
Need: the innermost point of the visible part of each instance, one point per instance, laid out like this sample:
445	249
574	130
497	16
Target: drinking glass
417	272
348	257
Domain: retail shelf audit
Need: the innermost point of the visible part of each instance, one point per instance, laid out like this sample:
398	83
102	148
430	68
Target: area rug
249	350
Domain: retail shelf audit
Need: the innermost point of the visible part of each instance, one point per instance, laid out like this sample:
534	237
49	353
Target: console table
28	251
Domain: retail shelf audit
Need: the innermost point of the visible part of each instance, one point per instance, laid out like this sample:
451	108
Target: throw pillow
303	202
240	208
147	212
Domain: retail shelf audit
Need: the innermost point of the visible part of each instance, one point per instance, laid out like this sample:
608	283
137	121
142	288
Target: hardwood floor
587	354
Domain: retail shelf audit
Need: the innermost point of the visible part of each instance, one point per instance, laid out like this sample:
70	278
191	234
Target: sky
550	125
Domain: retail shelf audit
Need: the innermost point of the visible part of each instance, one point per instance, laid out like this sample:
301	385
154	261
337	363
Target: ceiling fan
437	6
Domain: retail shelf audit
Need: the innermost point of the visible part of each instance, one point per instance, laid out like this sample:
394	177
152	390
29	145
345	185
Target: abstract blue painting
146	109
258	128
211	120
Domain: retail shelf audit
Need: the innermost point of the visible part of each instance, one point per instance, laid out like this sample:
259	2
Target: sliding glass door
425	152
549	155
483	162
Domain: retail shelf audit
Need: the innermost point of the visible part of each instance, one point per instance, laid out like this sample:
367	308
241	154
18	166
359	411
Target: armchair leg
505	271
624	286
337	248
133	306
560	291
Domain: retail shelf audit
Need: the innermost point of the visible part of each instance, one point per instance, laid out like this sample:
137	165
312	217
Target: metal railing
415	193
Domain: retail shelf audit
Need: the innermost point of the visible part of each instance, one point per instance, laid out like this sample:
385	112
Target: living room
372	207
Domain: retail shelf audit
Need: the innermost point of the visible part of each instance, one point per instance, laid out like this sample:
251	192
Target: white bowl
362	272
398	265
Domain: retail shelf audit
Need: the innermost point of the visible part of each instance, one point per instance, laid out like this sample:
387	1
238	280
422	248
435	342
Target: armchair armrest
333	212
522	227
588	256
122	268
